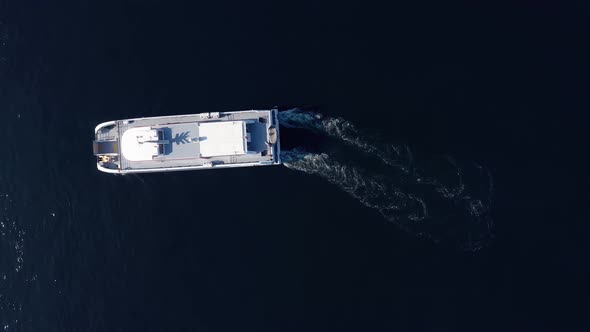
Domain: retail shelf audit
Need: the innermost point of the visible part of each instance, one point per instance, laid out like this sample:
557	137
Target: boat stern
105	147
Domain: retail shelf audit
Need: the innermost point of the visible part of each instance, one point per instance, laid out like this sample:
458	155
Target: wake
443	204
343	130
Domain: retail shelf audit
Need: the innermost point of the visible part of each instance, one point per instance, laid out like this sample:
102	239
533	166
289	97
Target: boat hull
188	142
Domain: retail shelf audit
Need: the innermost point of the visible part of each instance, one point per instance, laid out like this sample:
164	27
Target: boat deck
183	148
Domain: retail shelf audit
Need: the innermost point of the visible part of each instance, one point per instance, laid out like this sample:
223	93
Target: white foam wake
398	156
433	202
372	191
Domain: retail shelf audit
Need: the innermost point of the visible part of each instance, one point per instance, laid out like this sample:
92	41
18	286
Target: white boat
188	142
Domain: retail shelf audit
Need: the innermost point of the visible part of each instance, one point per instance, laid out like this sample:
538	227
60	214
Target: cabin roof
226	138
137	143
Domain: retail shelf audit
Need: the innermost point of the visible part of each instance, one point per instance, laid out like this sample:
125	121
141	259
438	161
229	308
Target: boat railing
106	138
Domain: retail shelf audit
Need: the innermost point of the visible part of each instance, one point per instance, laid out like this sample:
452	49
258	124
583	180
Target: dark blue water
495	85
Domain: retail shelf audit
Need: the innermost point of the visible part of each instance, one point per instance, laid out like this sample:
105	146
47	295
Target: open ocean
321	245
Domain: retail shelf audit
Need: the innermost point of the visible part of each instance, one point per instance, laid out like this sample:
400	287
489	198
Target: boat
188	142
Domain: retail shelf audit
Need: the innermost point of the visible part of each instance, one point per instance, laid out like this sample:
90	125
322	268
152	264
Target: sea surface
437	182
